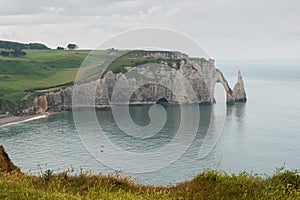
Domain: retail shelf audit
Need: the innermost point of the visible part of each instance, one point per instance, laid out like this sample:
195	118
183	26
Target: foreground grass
208	185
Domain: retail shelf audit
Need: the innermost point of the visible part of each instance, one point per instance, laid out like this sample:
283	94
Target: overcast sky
228	29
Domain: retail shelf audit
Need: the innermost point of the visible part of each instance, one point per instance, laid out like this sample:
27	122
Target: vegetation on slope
39	69
139	57
208	185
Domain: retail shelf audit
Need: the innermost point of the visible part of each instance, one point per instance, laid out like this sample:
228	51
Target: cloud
53	9
248	29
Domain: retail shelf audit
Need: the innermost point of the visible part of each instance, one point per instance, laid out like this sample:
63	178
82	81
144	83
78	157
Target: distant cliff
172	68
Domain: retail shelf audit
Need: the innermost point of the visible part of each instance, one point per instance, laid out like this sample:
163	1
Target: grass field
136	58
44	69
40	69
208	185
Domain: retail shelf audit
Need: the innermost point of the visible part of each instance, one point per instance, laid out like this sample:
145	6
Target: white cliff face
192	80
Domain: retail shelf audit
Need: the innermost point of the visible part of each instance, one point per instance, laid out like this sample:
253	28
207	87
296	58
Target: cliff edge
171	69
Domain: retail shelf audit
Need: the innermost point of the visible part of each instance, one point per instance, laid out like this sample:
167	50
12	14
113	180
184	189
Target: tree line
15	49
69	46
14	53
20	46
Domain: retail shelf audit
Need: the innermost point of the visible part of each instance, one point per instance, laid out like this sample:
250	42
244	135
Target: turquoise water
257	136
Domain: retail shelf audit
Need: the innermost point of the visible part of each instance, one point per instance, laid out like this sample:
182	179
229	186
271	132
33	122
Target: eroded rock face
192	80
239	92
60	100
40	104
5	163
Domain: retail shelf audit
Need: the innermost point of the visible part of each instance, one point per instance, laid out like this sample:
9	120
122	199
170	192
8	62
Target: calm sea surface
257	136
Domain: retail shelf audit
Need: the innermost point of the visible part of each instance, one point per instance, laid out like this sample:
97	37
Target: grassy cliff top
38	69
135	58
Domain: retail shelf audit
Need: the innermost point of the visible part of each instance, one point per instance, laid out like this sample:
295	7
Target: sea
257	136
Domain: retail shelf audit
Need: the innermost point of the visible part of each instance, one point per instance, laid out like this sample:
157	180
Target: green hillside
39	69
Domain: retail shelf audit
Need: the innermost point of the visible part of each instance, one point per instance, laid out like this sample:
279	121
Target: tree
4	53
72	46
14	53
60	48
36	46
18	53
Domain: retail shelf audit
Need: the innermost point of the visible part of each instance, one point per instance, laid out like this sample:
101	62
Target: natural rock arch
162	100
238	93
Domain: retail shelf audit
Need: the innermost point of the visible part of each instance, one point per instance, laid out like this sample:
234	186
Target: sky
227	29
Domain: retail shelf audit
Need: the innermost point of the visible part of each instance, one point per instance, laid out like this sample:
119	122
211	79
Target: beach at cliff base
13	119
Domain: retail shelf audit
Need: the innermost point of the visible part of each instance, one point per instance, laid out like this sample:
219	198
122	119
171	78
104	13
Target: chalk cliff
175	78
